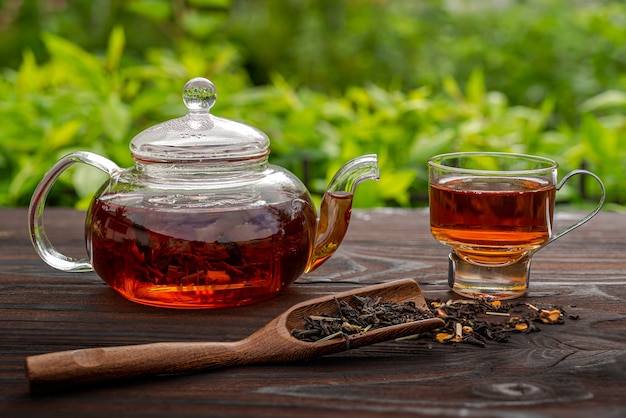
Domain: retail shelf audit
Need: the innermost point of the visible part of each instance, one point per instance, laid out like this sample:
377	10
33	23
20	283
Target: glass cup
494	210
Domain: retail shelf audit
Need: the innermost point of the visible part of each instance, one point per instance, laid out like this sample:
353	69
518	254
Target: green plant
327	81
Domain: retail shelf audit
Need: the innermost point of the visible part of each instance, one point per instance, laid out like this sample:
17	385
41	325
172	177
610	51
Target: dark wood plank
577	369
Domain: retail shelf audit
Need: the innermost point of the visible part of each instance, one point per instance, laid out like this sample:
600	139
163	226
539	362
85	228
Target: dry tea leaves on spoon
361	315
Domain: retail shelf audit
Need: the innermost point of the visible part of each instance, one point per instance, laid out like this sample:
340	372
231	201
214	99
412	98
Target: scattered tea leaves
479	321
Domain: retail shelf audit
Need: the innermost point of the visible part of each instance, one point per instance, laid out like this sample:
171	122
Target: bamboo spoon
271	344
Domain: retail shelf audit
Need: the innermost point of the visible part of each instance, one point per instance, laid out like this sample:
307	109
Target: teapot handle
38	235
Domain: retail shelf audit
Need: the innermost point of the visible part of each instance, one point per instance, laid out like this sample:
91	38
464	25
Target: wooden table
577	369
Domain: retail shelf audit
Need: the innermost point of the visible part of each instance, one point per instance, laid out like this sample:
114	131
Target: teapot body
202	220
209	244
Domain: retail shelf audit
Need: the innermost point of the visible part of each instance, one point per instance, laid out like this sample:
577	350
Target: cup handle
38	235
591	214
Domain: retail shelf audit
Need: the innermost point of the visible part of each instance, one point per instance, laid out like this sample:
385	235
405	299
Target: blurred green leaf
451	87
116	118
63	135
156	10
219	4
476	87
606	100
429	145
75	65
600	142
28	76
115	48
201	24
86	181
395	185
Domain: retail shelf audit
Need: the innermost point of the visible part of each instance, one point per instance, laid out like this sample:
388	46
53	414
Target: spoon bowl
271	344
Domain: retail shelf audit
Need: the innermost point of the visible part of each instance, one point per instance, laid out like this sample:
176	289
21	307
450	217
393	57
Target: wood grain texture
577	369
273	343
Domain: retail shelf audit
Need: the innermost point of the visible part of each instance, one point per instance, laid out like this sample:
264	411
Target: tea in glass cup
494	210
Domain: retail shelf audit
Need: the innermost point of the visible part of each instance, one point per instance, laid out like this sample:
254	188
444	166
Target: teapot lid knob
199	95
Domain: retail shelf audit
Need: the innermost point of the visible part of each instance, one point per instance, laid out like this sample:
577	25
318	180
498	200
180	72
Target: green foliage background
327	80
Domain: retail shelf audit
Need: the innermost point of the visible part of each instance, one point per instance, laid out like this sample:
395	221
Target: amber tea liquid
199	258
491	220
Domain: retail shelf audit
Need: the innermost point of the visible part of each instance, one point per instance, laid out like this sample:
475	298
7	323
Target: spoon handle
74	368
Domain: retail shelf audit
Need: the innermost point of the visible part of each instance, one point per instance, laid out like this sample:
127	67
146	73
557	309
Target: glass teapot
202	220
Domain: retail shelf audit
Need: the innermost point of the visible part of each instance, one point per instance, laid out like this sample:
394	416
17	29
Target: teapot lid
199	136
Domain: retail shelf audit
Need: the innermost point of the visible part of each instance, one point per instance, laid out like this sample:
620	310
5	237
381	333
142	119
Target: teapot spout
336	207
354	172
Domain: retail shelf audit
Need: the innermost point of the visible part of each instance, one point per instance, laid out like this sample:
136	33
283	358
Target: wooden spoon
271	344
